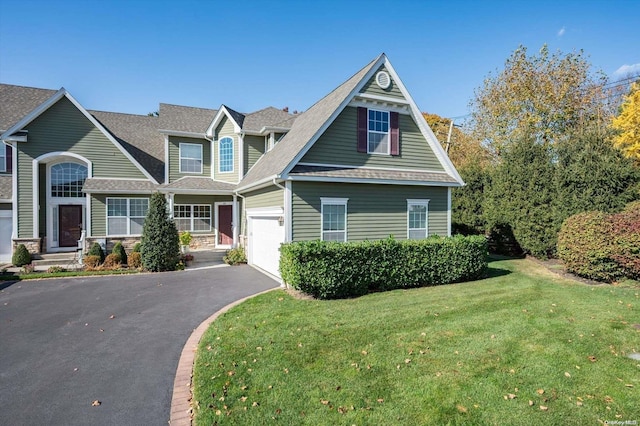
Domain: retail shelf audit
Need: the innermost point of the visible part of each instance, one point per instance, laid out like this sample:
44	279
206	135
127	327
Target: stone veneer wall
127	243
33	245
203	241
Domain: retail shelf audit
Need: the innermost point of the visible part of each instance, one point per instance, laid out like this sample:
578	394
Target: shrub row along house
361	163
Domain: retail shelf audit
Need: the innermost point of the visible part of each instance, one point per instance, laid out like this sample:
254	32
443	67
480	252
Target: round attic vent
383	80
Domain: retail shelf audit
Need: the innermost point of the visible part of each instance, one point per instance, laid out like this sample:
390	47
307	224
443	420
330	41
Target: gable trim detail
216	120
53	100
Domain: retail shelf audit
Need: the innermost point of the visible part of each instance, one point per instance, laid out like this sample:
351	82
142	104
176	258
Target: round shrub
235	256
134	260
585	246
118	250
112	261
21	256
96	250
92	261
625	230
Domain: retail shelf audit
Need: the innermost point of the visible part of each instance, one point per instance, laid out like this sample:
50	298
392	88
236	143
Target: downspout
239	219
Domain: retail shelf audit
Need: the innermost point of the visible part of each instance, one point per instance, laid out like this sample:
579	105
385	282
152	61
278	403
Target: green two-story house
361	163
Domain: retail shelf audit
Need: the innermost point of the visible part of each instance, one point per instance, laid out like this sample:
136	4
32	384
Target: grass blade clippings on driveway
522	347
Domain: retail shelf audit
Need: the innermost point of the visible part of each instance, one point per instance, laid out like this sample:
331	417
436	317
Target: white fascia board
381	60
268	129
383	99
265	211
218	117
426	131
371	181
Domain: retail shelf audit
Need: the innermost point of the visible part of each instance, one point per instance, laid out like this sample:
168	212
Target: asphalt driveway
65	343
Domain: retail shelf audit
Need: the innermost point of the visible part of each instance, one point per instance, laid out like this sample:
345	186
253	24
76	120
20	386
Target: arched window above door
67	180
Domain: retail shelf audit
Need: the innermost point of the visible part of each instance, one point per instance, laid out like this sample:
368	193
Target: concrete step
51	259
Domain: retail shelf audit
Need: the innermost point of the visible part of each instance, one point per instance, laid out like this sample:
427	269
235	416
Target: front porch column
235	221
170	198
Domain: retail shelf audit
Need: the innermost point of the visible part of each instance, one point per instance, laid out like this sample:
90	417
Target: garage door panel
265	238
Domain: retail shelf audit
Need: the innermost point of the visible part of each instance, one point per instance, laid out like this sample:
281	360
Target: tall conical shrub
160	243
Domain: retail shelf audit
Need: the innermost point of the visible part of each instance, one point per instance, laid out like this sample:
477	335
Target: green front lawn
522	347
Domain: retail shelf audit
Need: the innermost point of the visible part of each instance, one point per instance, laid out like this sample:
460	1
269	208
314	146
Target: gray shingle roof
101	185
191	183
185	119
139	135
6	187
238	117
269	116
18	101
304	128
371	174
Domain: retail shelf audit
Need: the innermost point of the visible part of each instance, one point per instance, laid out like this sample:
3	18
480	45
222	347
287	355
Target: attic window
383	80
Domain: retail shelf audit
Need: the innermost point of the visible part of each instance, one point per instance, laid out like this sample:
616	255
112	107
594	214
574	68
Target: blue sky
130	55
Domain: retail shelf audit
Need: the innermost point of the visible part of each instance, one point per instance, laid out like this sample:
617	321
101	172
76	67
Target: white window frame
128	216
3	157
387	133
191	217
324	201
220	155
417	202
182	157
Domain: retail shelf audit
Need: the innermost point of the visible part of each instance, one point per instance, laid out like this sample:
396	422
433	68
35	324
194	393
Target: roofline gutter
262	183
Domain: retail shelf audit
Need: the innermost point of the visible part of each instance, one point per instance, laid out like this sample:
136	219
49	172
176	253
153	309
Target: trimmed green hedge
330	270
600	246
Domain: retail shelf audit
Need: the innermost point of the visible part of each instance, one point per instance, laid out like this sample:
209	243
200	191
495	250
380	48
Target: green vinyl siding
99	214
338	145
63	128
270	196
372	87
225	129
174	157
373	211
253	150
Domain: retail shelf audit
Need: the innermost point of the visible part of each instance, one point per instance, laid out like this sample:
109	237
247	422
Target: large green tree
542	98
521	196
160	243
593	175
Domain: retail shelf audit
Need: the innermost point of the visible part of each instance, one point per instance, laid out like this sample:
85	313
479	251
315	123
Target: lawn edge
180	413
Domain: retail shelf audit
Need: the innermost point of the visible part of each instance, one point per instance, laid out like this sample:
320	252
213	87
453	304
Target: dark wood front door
225	227
69	223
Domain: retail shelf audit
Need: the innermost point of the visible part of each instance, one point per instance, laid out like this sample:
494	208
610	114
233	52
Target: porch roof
198	185
118	186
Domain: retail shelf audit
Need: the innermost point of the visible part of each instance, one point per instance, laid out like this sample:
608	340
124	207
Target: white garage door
6	226
265	237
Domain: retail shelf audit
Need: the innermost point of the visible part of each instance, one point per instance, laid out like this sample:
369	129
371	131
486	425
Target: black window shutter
363	122
9	158
395	133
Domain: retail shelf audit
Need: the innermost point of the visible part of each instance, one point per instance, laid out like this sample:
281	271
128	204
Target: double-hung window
417	224
334	219
225	155
190	158
192	217
125	216
378	132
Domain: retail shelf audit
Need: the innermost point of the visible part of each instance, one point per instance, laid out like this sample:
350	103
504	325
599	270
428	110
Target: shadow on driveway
116	339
